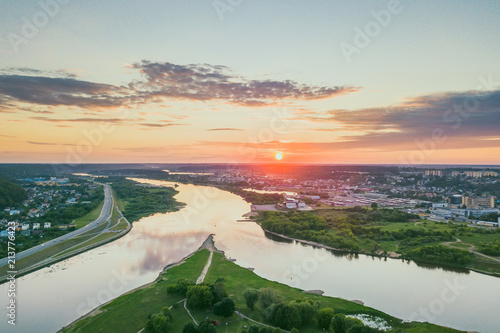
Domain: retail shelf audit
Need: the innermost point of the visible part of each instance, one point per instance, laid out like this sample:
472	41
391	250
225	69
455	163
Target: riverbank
391	255
128	312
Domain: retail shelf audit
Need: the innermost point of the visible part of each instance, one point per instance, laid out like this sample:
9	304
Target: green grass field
128	313
90	217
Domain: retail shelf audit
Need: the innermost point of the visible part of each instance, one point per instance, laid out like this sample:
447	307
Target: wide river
53	297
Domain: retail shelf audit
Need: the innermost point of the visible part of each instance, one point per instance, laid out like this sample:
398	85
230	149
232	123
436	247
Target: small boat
176	185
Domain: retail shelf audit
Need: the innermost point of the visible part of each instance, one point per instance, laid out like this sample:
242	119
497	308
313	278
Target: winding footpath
209	245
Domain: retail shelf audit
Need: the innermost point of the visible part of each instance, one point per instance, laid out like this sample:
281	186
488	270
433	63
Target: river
53	297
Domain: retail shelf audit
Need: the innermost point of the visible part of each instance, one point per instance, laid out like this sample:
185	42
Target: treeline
141	201
351	226
297	314
361	216
254	197
11	193
440	254
490	248
307	226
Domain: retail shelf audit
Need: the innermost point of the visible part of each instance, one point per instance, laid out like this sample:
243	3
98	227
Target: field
384	232
90	217
129	312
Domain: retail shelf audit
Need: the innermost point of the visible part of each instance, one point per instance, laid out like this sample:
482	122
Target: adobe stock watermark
280	120
298	273
452	117
92	138
224	6
201	201
373	28
117	285
248	151
449	294
31	26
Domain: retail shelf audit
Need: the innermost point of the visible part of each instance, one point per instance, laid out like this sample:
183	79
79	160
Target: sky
239	81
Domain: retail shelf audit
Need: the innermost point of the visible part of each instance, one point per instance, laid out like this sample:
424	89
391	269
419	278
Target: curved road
103	217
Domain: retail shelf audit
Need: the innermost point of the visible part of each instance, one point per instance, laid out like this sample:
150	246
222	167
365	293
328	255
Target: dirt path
255	321
471	249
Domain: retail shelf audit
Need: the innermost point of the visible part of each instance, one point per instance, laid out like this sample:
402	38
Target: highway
103	217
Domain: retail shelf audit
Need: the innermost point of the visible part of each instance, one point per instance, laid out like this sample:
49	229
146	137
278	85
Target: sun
278	156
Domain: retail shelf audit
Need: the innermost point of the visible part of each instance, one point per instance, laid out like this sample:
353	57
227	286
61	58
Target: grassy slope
128	313
90	217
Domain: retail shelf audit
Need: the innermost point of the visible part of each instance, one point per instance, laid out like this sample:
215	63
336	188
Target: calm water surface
55	296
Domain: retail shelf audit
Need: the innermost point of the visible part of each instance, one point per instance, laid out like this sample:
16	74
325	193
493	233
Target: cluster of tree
297	314
491	217
440	254
490	248
11	193
307	226
254	197
204	296
343	324
264	329
143	201
159	322
353	224
204	327
179	288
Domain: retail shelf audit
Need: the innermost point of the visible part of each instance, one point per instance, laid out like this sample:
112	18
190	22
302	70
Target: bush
251	297
268	297
324	317
158	323
338	323
200	297
206	327
224	308
283	315
219	290
190	328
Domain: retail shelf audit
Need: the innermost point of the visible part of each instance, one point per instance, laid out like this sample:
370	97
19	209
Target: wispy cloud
465	118
84	120
58	91
160	125
225	129
160	82
204	82
43	143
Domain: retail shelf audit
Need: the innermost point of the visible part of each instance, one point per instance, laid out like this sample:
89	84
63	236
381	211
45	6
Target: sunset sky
361	82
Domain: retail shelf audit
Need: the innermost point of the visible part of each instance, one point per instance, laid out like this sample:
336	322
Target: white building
46	225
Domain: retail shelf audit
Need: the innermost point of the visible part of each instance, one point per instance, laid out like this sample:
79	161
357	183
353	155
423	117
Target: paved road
103	217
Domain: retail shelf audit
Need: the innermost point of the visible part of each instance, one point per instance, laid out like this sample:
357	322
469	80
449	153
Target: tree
374	205
253	329
190	328
158	323
294	330
206	327
325	316
224	308
267	297
200	297
266	330
219	290
307	309
251	297
338	323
